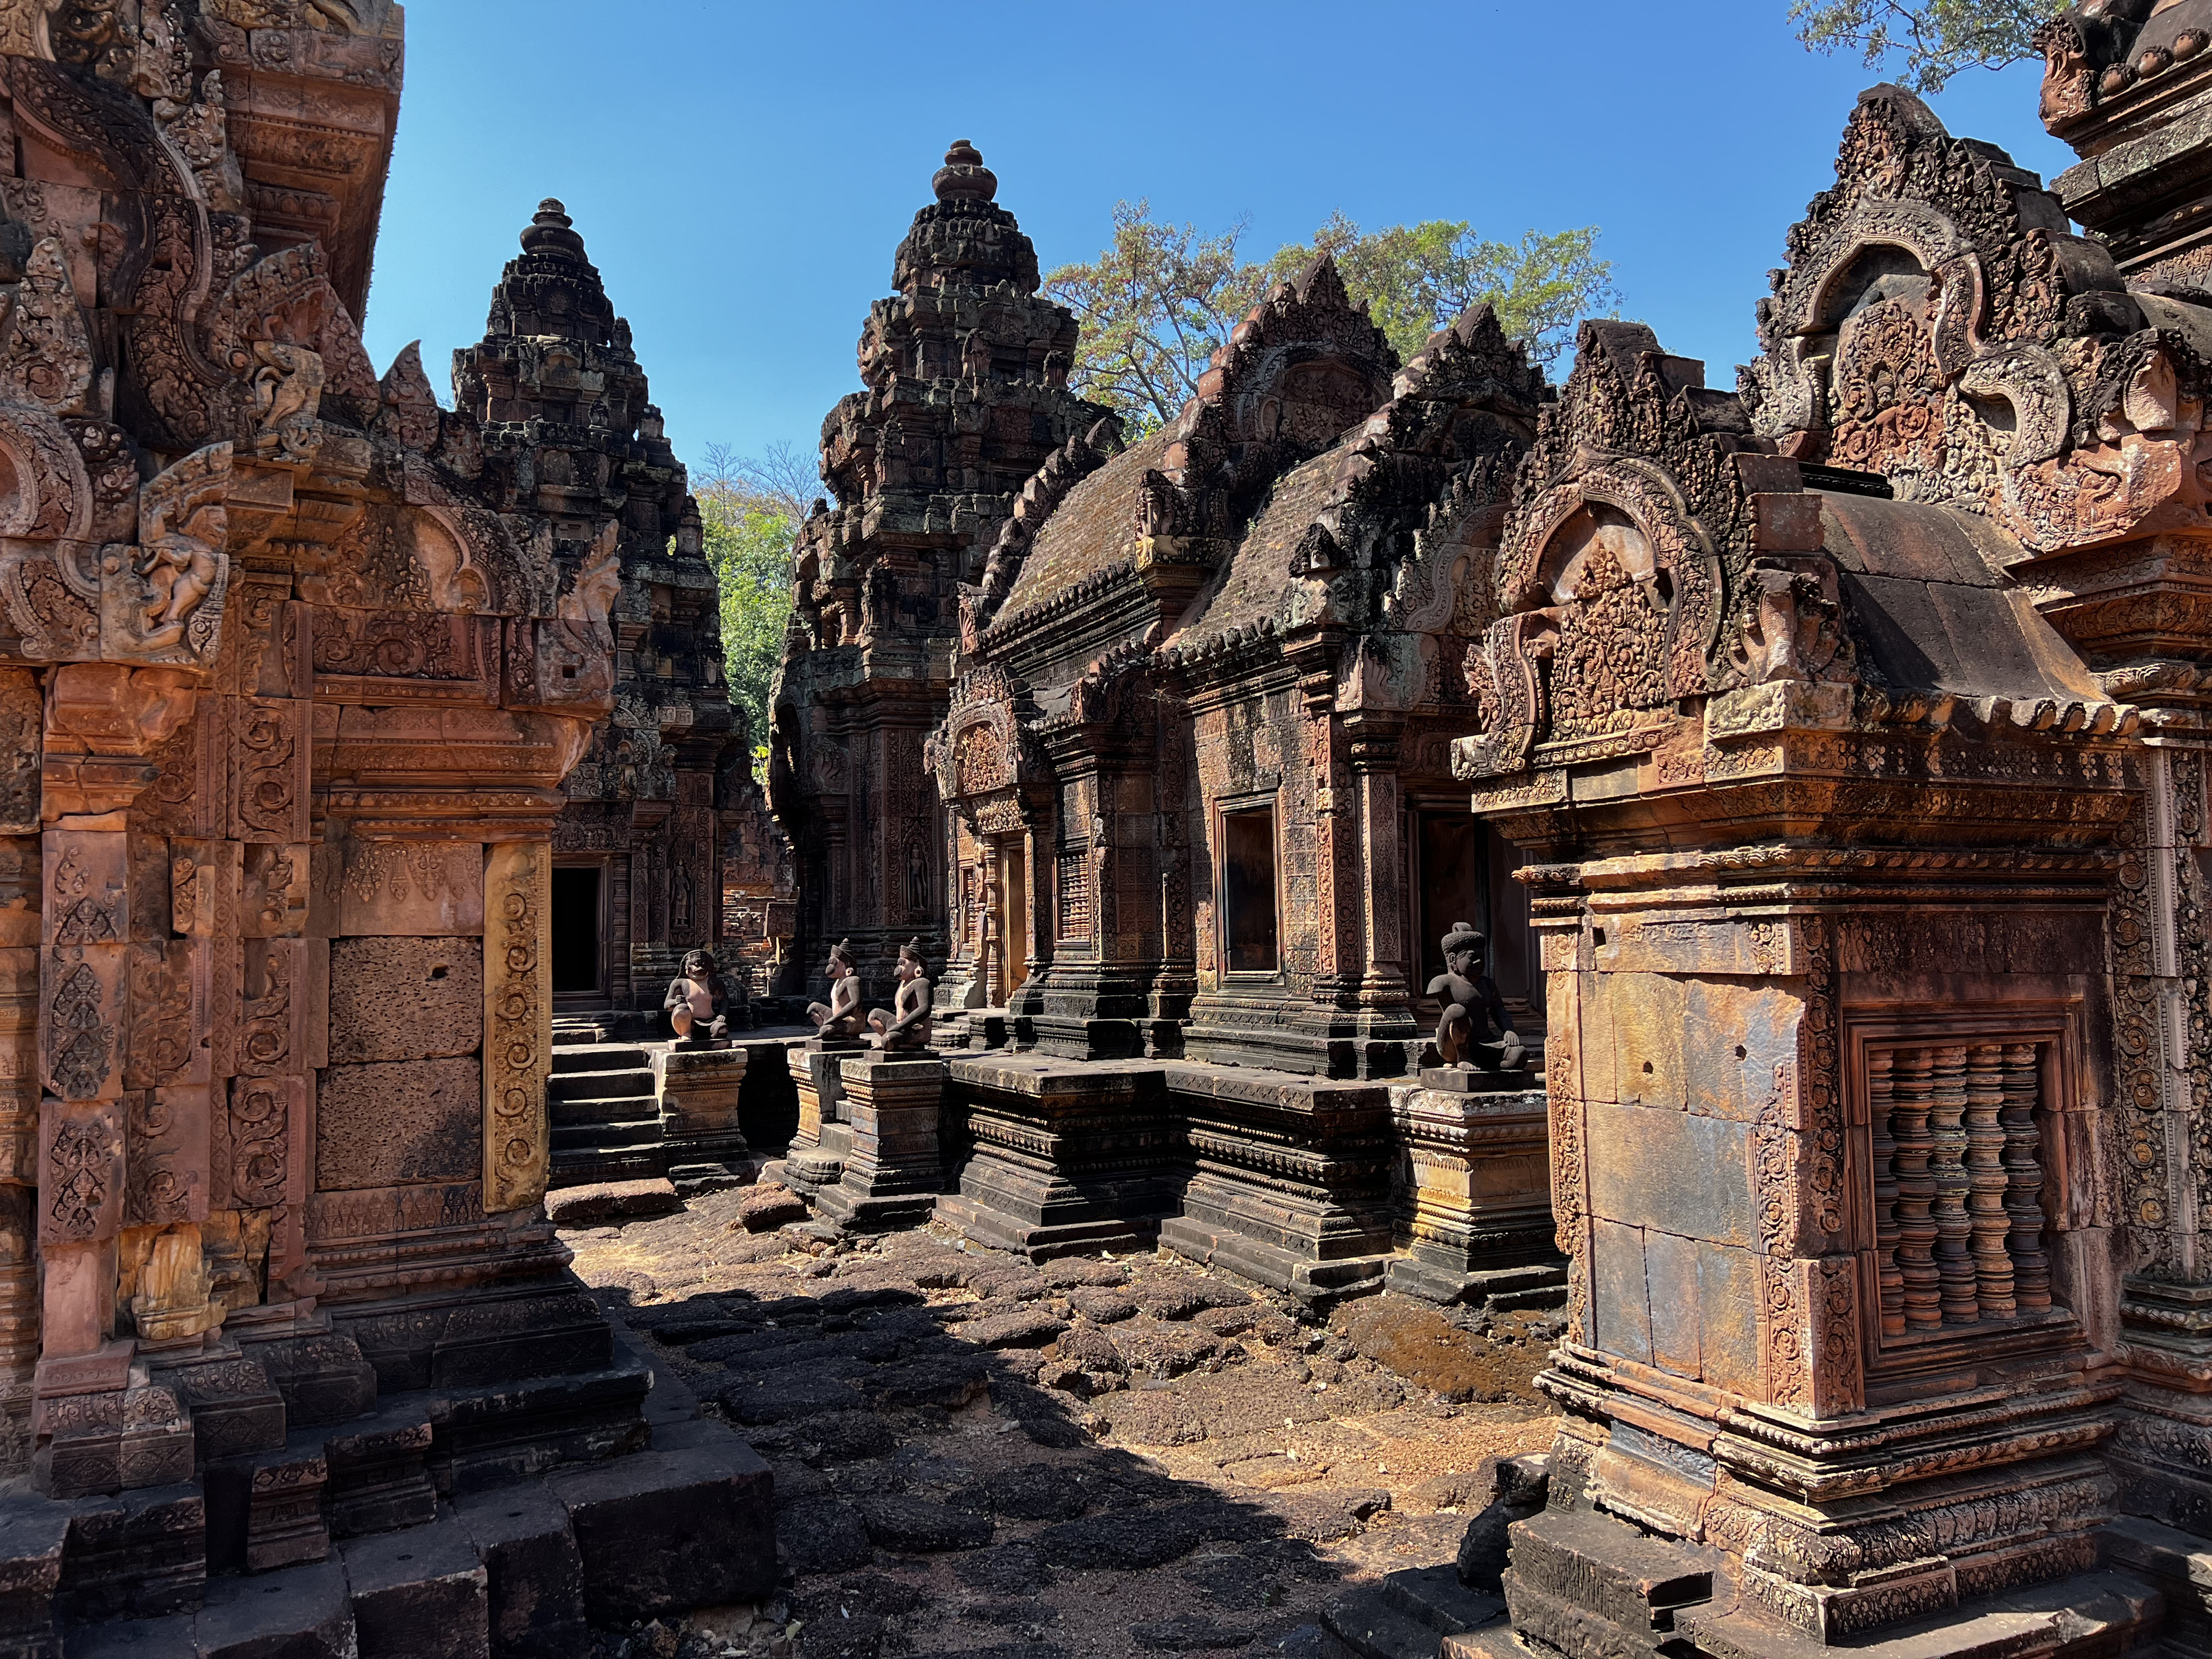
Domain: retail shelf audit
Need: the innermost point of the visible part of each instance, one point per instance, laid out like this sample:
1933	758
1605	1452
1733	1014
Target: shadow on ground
974	1455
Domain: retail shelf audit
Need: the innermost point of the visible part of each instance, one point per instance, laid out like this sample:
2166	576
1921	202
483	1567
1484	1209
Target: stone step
608	1108
1435	1597
598	1086
599	1057
1365	1621
2087	1616
588	1166
607	1134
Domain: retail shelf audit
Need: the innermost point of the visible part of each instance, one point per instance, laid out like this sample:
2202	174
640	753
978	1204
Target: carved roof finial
549	231
963	177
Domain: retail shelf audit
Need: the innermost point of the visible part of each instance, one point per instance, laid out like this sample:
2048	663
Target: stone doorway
580	932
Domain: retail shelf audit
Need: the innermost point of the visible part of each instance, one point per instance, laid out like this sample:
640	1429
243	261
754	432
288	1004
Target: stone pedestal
893	1161
697	1088
1471	1196
816	1157
1056	1157
1291	1179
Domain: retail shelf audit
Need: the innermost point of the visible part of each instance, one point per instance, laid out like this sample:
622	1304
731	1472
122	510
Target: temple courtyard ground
975	1455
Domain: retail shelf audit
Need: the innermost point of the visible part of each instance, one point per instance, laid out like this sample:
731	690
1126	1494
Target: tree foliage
1936	38
750	510
1415	279
1161	297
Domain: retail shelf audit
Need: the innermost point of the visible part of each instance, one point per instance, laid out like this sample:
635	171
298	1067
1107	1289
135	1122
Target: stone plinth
697	1090
1056	1157
893	1161
1289	1180
1471	1199
816	1157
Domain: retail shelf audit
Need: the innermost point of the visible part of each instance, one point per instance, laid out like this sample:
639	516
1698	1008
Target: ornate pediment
1654	554
1939	324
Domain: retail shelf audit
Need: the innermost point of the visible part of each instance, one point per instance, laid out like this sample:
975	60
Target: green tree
1415	279
750	510
1153	305
1936	38
1158	302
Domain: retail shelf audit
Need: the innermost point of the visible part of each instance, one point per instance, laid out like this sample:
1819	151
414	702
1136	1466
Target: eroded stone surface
405	999
395	1122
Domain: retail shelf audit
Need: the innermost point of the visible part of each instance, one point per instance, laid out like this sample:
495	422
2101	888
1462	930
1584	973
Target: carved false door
1008	933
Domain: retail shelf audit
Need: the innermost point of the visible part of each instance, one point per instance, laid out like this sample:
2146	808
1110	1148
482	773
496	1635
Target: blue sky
741	173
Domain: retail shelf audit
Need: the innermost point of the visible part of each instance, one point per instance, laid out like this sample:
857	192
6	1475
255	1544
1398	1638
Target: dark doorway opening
1248	891
576	932
1454	884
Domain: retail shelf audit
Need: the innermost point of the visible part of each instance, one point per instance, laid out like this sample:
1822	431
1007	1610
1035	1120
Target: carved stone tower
966	371
568	434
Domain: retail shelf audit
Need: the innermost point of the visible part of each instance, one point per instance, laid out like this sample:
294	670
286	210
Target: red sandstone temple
1824	761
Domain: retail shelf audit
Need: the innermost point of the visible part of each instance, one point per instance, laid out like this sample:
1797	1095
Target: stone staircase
605	1119
312	1514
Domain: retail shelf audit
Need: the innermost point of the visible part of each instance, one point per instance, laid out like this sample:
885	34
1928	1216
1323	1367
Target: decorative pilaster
518	1024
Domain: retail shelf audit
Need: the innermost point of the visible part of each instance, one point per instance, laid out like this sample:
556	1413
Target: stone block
533	1587
419	1594
34	1538
1647	1034
1687	1174
405	999
1676	1309
1738	1032
260	1143
321	1375
611	1203
664	1531
381	888
1727	1323
235	1408
394	1122
302	1613
81	1171
139	1638
698	1090
266	1510
378	1470
138	1555
1621	1303
273	890
768	1206
112	1441
170	1133
893	1167
494	1434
